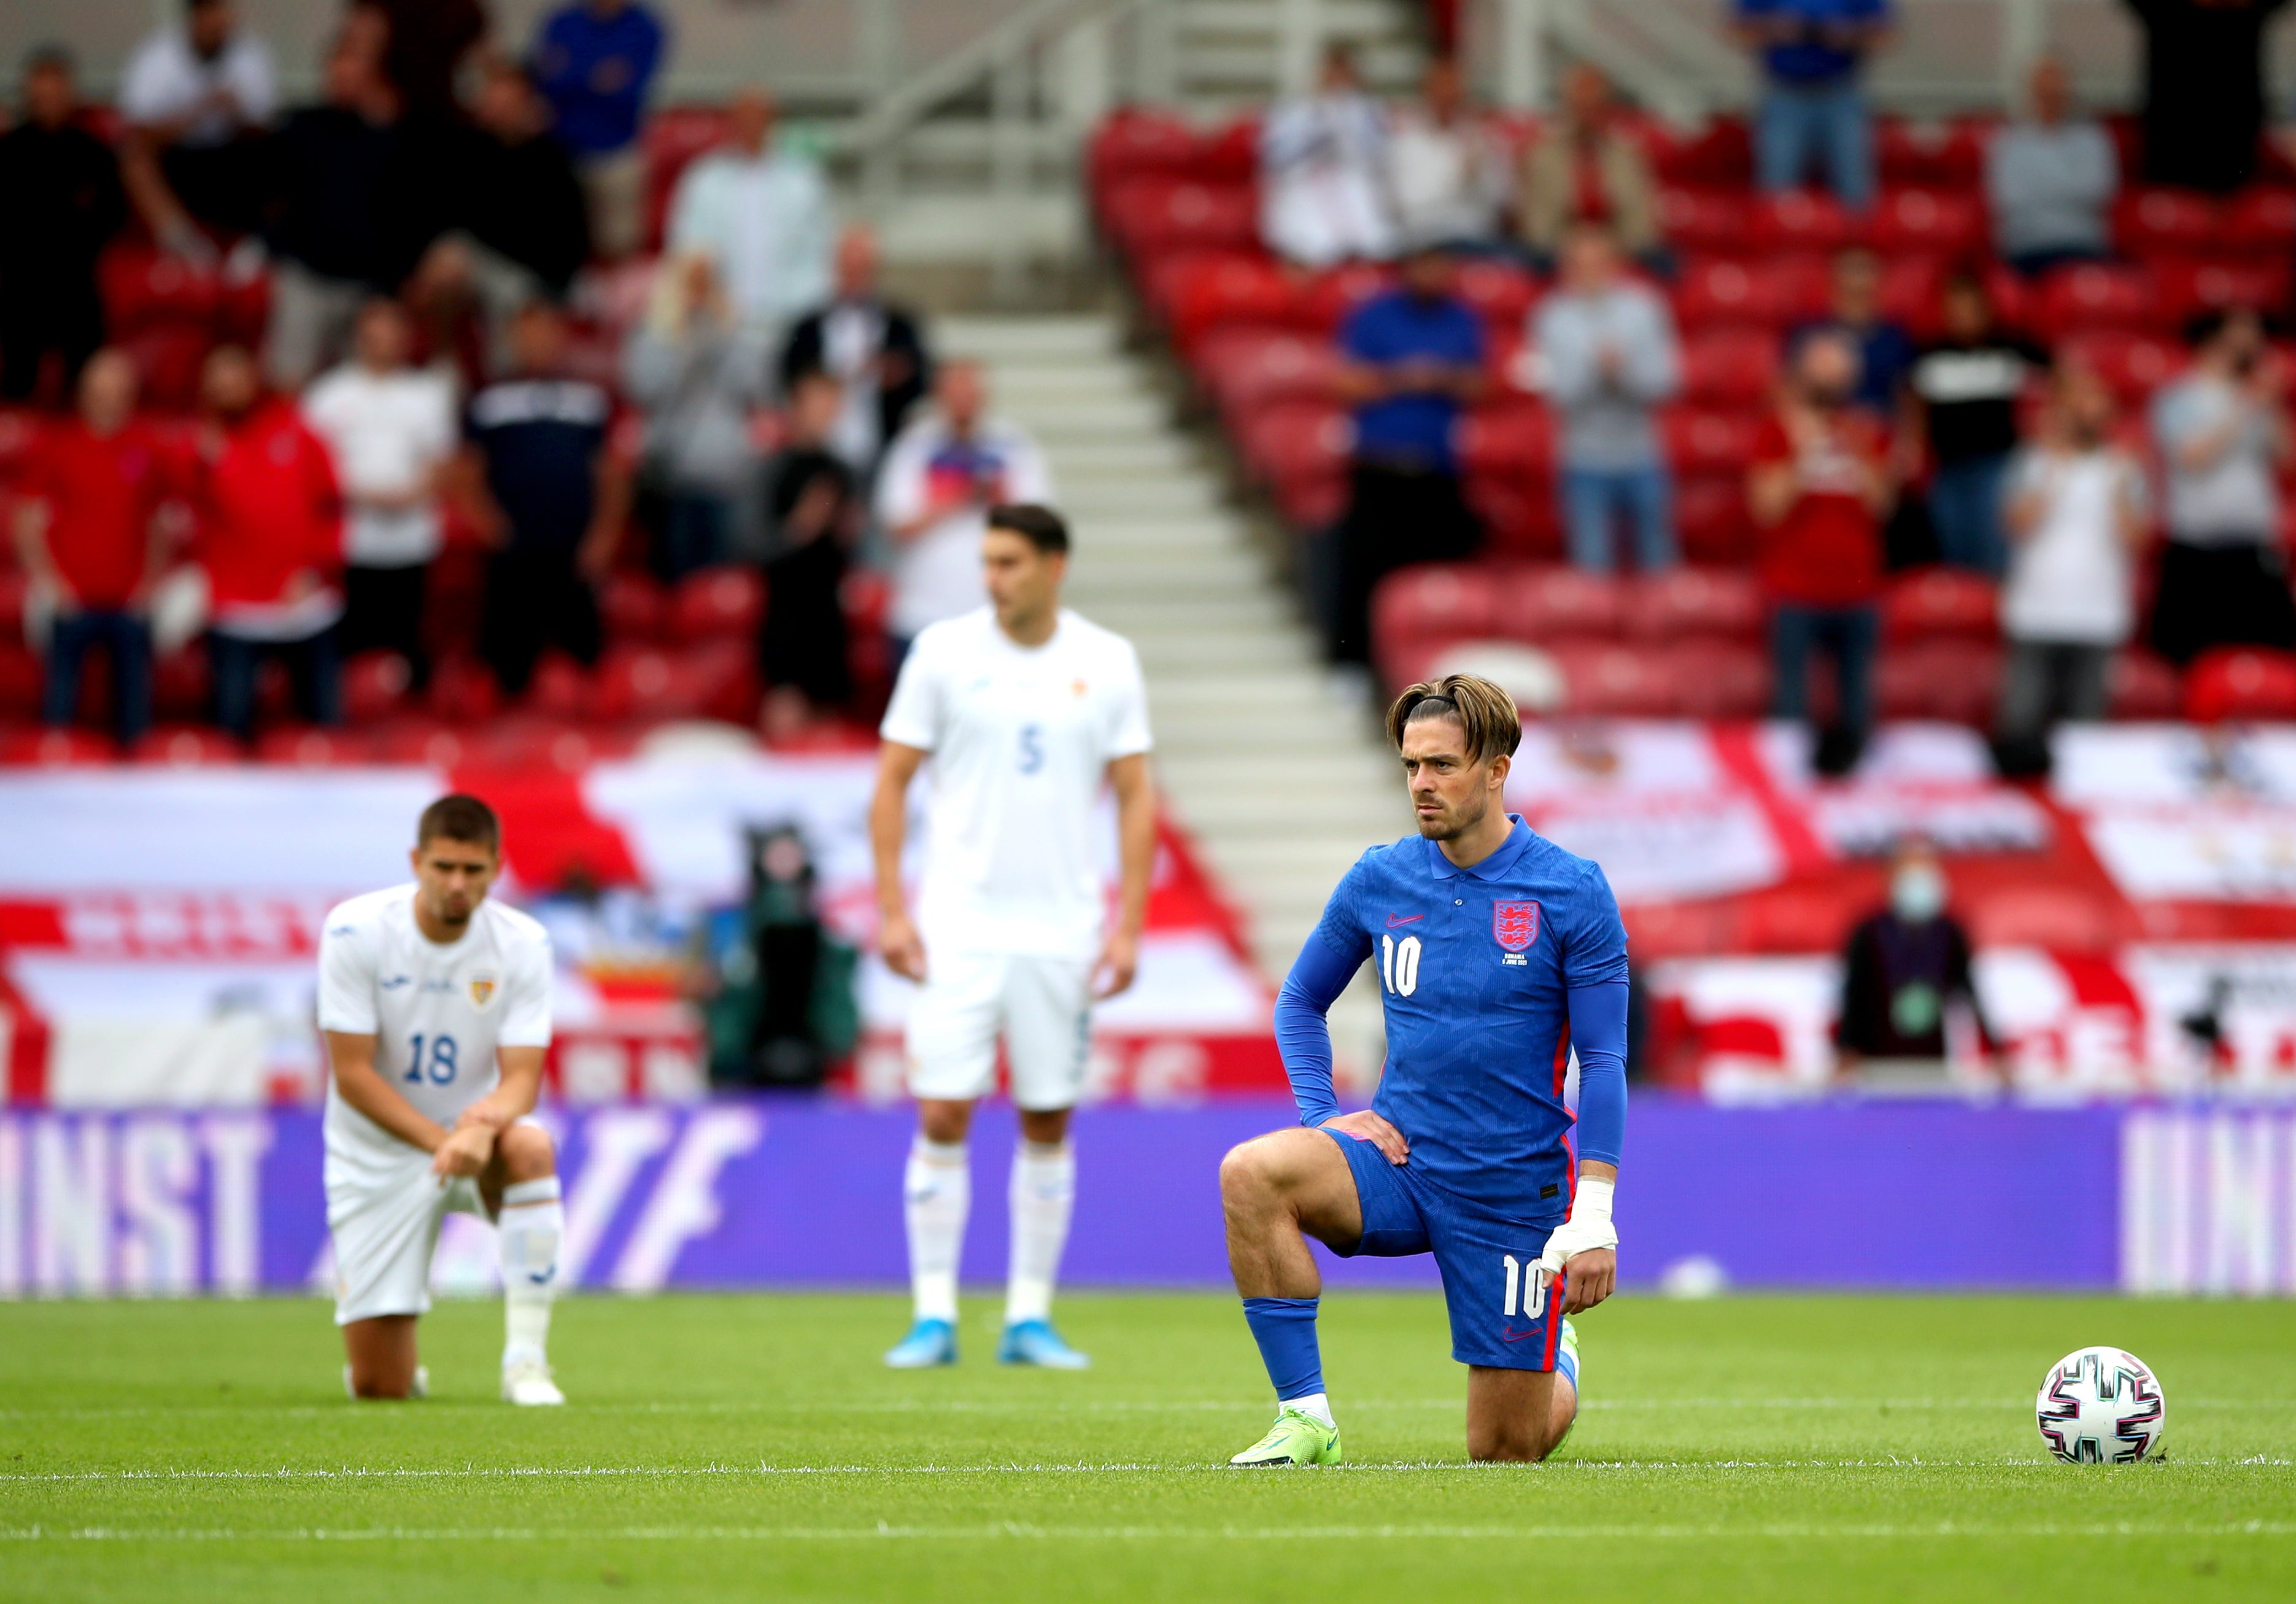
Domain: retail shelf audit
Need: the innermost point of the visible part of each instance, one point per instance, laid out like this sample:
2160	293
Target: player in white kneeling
436	1006
1025	710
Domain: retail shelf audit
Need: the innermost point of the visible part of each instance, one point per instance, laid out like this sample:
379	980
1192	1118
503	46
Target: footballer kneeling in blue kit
1499	955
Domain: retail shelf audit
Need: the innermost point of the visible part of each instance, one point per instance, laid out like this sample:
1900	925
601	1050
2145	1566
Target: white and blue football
2102	1406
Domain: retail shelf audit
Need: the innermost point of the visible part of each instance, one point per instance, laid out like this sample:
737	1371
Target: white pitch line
1001	1531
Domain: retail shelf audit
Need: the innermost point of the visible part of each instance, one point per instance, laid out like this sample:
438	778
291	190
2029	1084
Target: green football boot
1295	1439
1566	1365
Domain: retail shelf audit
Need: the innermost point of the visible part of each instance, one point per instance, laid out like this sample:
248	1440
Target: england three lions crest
1514	924
483	988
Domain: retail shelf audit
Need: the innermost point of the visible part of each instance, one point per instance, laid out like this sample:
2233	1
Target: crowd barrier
773	1193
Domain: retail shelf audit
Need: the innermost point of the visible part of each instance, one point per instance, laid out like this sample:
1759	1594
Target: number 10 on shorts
1523	1280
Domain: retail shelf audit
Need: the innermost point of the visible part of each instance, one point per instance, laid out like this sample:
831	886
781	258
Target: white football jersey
1021	739
438	1013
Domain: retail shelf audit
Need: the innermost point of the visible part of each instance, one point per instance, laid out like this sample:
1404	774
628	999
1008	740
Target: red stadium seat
1719	678
462	690
1940	601
1720	157
20	677
1730	367
2240	683
1958	680
1137	142
1517	514
12	587
423	741
717	604
1723	291
54	748
645	684
1431	602
1228	292
185	746
1507	438
725	673
866	596
182	690
1947	155
541	743
303	746
1501	291
2135	365
1245	369
1681	604
1324	301
1704	221
1303	437
1166	280
1553	602
1229	155
1310	500
1706	441
2262	222
558	690
168	358
631	605
2090	295
1710	519
1802	220
1912	289
142	287
1615	681
2188	287
1149	217
2164	222
375	687
1943	222
2145	687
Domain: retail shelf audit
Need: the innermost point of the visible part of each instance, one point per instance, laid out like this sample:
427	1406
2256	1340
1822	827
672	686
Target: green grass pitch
751	1447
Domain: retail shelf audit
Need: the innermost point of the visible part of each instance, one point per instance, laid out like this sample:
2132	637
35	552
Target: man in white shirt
1323	170
436	1007
194	97
1445	169
393	432
942	475
1024	709
762	214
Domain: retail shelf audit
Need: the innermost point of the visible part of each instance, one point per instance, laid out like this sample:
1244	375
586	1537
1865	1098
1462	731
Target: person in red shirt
271	536
1819	487
87	531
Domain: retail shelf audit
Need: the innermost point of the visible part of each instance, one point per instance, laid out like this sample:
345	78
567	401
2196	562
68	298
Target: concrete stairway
1282	782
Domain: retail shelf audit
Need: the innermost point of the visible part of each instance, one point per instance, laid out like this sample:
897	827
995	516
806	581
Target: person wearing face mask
1904	967
2222	431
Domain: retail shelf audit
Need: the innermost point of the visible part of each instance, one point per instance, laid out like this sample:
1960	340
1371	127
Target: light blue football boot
1035	1342
929	1343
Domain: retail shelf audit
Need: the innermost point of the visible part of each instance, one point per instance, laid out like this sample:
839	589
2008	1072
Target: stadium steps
1280	782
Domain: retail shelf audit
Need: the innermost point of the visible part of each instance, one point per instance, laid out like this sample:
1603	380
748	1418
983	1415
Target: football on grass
2102	1406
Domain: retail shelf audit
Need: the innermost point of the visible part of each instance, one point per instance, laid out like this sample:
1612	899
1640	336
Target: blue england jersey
1484	972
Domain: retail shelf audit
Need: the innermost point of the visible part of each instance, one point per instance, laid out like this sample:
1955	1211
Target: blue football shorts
1501	1316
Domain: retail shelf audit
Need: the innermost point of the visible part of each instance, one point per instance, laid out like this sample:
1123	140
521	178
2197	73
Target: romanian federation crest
1514	924
483	988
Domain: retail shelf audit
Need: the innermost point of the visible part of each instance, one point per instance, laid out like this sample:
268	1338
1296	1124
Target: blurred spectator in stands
938	481
1820	489
195	97
1446	171
348	215
1964	392
776	987
1813	110
875	349
1610	354
1411	359
1904	970
698	376
1582	166
594	60
2204	90
425	45
60	192
271	536
813	517
761	211
1885	351
2050	178
2222	431
548	484
519	227
392	430
1323	172
2076	517
88	536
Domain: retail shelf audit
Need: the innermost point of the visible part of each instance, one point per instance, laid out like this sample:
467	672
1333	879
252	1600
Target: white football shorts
1042	1007
385	1225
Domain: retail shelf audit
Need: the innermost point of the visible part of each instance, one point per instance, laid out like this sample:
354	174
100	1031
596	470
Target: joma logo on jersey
1514	924
482	990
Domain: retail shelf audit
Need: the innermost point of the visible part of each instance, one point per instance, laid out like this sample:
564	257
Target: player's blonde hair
1485	714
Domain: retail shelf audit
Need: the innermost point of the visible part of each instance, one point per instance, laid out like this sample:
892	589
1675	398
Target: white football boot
525	1381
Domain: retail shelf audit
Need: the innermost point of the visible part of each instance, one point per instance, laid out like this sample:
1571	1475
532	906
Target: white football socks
1316	1406
531	1223
936	1193
1043	1197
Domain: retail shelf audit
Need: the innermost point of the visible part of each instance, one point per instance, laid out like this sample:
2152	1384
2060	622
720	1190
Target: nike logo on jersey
1413	919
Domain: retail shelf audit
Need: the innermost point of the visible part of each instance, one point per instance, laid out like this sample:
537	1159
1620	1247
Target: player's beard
1456	821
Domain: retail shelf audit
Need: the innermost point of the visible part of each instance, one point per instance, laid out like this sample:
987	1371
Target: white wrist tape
1588	1228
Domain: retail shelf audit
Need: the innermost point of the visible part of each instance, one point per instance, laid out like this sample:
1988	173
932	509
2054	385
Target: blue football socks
1284	1328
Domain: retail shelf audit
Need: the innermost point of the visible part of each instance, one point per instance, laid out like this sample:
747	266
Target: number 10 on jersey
1398	963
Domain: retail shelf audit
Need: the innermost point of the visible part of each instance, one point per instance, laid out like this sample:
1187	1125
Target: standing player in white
1025	709
436	1006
